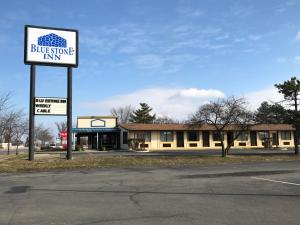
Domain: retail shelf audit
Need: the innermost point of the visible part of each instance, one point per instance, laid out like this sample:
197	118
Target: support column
31	113
97	141
69	114
73	140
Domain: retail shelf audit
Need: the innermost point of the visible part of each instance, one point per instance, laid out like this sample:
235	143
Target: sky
172	54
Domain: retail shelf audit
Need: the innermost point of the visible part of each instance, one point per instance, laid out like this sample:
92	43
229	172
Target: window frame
244	136
146	135
125	138
219	138
266	135
283	133
165	134
196	136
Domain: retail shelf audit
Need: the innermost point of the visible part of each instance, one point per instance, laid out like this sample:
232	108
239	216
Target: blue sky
175	55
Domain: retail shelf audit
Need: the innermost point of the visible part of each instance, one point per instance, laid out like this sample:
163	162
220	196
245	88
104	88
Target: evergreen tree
272	114
142	115
291	91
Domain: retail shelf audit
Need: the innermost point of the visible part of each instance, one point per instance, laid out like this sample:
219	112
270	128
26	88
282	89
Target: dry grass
45	162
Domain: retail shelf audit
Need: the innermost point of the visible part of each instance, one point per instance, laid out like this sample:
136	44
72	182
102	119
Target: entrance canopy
95	130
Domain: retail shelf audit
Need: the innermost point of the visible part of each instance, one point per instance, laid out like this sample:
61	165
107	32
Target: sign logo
50	106
52	40
51	46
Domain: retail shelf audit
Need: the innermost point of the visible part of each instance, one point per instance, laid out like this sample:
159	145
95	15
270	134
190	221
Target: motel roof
182	127
96	117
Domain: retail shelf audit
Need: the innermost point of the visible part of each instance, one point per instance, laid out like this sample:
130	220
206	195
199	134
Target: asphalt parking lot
234	194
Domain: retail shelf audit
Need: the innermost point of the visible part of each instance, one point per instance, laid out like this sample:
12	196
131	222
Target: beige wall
86	122
156	144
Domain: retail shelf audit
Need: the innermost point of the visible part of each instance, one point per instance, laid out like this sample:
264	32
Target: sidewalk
173	152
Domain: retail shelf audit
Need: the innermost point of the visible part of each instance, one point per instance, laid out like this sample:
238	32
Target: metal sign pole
69	114
31	113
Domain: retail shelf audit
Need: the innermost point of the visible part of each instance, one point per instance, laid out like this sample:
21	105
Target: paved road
210	195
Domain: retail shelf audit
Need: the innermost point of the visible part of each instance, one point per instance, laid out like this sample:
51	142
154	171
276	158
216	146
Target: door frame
251	138
206	143
181	135
231	139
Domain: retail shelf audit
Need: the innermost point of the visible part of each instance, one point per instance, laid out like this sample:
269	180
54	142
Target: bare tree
43	134
122	113
20	131
10	122
4	100
224	113
164	120
61	126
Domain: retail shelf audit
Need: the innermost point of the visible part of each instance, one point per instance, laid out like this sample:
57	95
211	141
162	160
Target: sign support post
31	113
69	114
50	46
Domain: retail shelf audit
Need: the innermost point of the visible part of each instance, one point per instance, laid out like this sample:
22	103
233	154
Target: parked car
52	146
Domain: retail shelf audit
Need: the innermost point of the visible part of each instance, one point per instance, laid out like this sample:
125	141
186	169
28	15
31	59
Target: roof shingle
181	127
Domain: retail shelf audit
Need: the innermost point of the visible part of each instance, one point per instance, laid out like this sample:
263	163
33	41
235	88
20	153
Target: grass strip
13	163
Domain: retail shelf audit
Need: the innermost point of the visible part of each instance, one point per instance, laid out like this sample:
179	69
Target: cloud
254	37
164	48
177	103
255	98
240	10
201	93
297	59
298	36
173	102
281	60
149	61
190	12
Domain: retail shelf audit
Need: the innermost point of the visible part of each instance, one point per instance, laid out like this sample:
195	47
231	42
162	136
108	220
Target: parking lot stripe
275	181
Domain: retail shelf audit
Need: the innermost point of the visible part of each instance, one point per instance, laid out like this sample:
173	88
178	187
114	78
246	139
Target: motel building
103	132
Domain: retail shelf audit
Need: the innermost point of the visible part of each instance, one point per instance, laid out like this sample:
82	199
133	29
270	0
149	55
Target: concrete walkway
177	152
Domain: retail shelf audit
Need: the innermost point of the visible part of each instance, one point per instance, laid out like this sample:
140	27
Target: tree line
14	126
220	113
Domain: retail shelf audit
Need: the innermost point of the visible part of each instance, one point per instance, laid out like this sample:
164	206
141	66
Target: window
193	145
143	135
125	138
243	136
286	135
216	136
147	136
166	136
263	135
193	136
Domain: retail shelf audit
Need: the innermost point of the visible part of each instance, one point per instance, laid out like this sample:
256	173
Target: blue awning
95	130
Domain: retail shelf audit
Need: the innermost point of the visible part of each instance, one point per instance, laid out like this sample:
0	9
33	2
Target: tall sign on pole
50	46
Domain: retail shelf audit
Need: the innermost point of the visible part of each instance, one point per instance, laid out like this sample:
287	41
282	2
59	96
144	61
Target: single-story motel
98	132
